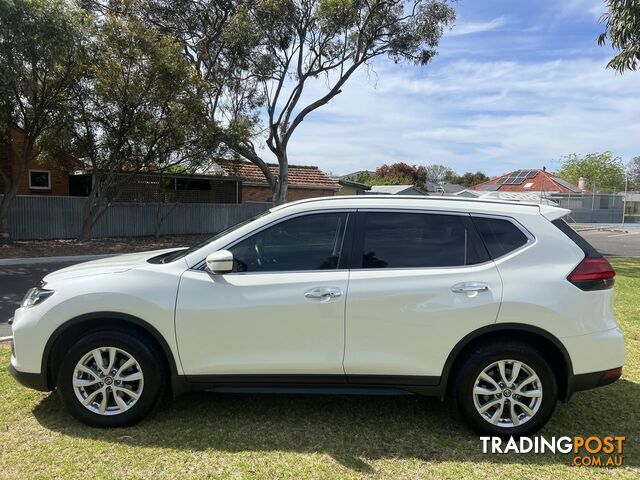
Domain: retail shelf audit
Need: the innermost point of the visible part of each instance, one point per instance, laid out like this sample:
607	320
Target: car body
414	295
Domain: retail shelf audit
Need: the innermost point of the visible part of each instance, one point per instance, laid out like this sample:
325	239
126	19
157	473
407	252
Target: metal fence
601	208
45	217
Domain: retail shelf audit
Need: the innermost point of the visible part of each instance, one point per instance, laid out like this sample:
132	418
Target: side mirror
220	261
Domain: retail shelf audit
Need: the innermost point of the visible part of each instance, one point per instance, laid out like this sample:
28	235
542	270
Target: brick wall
252	193
59	181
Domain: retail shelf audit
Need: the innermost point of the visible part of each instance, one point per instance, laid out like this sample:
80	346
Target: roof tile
303	175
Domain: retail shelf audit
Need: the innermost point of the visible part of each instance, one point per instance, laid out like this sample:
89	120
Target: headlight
35	296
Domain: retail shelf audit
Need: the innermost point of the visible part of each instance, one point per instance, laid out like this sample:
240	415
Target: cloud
469	28
493	116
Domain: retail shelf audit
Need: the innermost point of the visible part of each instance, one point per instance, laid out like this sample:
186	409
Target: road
16	280
618	244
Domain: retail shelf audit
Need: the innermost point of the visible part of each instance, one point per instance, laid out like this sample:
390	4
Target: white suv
499	305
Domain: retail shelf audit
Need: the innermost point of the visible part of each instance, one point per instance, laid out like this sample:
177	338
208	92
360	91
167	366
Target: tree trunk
280	189
5	226
11	190
87	220
91	208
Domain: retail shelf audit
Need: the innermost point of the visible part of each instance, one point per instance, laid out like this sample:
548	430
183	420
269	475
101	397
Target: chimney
581	183
544	169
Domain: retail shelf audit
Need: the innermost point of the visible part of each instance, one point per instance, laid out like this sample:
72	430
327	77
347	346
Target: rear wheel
110	379
505	389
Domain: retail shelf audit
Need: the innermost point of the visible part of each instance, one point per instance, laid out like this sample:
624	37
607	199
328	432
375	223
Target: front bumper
36	381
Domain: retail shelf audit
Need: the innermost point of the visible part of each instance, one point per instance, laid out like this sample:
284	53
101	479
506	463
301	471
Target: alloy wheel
507	393
108	381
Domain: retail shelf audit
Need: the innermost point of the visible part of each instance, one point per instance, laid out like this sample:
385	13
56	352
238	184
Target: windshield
183	253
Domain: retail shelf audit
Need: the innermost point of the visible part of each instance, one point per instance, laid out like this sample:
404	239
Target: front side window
311	242
418	240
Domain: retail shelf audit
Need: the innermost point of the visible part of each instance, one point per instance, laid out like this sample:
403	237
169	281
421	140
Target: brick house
42	178
304	181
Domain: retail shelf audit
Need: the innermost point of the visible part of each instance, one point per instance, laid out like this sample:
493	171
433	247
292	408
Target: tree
633	173
136	109
41	42
622	28
601	171
267	52
400	174
467	179
438	173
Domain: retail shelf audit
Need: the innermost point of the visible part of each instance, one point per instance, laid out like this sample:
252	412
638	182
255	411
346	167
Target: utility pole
624	199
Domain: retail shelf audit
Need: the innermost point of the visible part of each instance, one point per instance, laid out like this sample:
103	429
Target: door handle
324	294
470	288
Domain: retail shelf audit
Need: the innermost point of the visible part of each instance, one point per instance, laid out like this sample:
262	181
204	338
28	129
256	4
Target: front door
280	312
420	282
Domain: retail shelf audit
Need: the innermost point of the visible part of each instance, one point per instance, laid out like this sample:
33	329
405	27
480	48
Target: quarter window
499	236
417	240
311	242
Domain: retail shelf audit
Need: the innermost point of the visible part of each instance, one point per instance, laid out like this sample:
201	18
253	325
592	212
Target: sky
516	84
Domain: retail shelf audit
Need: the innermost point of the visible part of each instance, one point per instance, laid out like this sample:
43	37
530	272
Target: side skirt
311	384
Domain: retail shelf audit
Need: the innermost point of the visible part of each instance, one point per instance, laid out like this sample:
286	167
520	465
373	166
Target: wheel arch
64	336
548	344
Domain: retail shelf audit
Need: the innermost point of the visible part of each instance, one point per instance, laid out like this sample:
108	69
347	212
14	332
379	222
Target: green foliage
400	174
622	27
633	173
137	105
603	170
467	179
41	42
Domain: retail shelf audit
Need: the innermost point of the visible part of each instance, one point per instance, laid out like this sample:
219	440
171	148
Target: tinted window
586	247
401	240
312	242
499	236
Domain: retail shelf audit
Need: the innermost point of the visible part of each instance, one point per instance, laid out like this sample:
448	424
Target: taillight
593	274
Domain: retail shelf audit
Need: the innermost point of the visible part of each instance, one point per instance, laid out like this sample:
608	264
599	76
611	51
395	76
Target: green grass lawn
234	436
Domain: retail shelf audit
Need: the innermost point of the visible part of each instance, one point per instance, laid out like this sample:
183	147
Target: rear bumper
35	381
587	381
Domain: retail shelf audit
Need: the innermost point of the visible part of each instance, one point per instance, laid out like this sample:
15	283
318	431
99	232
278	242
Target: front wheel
110	379
505	389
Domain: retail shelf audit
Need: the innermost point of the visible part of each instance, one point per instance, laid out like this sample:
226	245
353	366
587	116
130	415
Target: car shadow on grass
351	429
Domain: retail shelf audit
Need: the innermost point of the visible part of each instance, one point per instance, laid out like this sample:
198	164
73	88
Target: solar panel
489	188
501	180
566	184
517	177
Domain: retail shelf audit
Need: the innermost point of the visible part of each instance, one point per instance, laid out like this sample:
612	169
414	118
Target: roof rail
405	197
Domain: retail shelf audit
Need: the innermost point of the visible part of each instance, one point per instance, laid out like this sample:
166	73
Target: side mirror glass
220	262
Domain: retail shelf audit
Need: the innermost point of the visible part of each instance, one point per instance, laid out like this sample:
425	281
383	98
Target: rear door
420	281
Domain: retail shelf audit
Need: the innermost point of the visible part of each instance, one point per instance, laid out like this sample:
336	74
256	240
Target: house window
40	179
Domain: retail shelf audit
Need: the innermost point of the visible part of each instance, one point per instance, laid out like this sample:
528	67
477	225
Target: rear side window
499	236
417	240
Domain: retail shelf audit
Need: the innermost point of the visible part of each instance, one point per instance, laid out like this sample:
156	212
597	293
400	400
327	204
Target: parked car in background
500	306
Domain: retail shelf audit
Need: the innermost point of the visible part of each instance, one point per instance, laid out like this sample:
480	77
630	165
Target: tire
534	379
118	397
